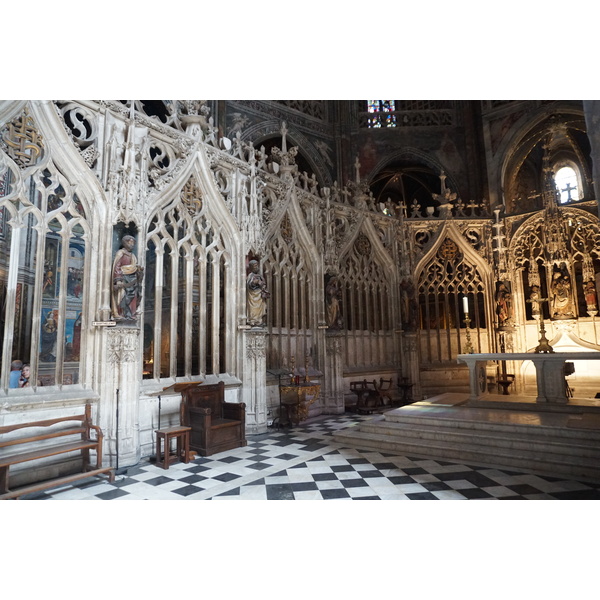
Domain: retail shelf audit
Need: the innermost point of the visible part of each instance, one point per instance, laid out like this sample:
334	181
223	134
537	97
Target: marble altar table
549	371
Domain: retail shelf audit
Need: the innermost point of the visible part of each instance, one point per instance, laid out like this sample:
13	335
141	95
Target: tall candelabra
543	346
468	346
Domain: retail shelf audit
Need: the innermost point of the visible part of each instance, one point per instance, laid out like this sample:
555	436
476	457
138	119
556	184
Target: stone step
551	464
582	448
474	419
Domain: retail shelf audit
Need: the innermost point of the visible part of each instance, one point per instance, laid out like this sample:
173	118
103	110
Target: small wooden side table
182	435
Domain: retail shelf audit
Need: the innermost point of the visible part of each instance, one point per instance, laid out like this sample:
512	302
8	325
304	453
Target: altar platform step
554	444
438	380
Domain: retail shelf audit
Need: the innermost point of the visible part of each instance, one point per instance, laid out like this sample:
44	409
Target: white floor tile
410	488
448	495
308	495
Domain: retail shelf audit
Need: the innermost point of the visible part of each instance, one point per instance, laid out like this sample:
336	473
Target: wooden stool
182	435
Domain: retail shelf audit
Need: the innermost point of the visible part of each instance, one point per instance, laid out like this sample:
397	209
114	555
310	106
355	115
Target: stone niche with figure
127	277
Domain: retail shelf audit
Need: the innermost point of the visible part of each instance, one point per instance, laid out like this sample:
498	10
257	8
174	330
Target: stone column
255	381
411	363
119	370
333	389
591	109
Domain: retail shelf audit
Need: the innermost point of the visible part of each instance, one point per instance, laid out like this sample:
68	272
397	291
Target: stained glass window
383	113
566	182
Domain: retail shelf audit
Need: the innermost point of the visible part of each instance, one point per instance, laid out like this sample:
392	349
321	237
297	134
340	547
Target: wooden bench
79	425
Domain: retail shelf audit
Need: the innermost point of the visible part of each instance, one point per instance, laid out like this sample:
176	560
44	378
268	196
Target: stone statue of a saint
534	298
562	302
408	306
127	277
256	297
591	299
333	296
504	306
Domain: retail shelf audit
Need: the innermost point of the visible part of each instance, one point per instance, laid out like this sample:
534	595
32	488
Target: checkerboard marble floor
305	463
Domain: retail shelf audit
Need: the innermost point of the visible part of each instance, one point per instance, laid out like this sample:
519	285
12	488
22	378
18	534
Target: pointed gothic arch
408	174
48	282
293	280
520	155
450	271
191	260
368	280
530	245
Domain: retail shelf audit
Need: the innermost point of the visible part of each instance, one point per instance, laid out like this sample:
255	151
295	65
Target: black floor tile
303	486
257	451
473	477
112	494
193	478
352	483
414	470
362	461
324	476
136	470
511	473
333	494
474	493
370	474
435	486
160	480
548	478
226	477
313	447
401	479
422	496
285	457
188	490
233	492
385	465
118	482
260	481
279	491
342	468
197	469
523	488
279	474
259	466
479	480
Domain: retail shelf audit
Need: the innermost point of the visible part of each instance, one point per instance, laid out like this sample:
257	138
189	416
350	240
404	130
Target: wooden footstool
182	435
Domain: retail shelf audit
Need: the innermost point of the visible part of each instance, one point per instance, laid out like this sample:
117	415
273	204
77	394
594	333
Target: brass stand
544	346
